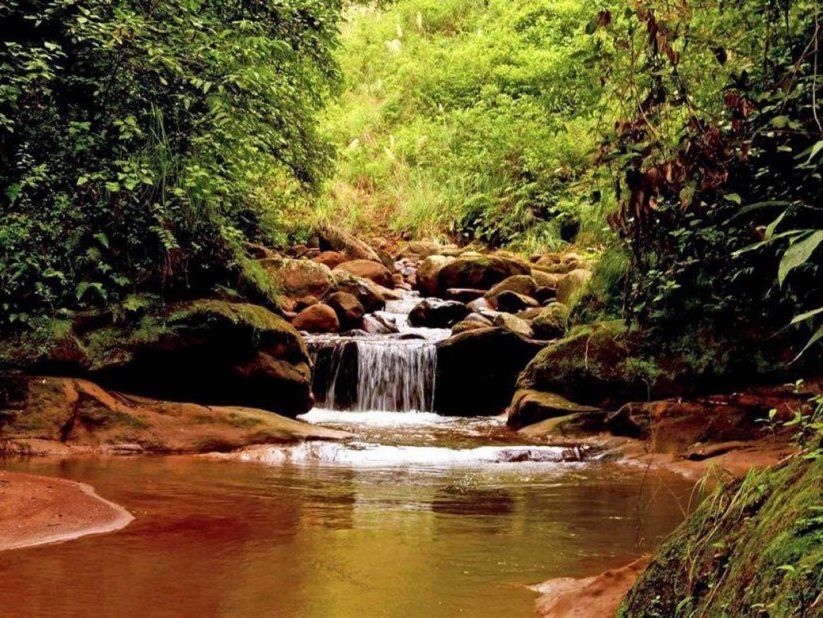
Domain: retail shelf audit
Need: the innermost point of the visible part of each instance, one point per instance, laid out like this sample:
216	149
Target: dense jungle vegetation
143	143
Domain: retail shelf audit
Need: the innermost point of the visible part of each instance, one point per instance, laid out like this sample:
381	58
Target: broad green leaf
797	254
805	316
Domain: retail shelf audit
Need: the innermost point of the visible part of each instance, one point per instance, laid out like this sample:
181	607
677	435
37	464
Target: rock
550	323
258	251
300	278
478	272
366	269
546	280
521	284
512	302
367	292
514	324
69	415
545	295
529	314
467	325
209	352
379	325
530	406
599	365
319	318
477	371
572	286
481	319
419	248
434	313
306	301
750	545
349	310
464	295
560	262
480	304
428	273
332	259
335	239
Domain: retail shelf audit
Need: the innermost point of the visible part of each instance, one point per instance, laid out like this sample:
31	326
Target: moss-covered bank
754	548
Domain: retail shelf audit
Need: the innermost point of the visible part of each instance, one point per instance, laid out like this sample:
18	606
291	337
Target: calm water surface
414	533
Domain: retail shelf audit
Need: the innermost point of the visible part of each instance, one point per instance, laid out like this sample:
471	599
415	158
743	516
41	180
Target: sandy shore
35	510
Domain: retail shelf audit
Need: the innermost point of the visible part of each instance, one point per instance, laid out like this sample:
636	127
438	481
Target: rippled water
418	516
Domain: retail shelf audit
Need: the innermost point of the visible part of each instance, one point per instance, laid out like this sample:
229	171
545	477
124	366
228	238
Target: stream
417	514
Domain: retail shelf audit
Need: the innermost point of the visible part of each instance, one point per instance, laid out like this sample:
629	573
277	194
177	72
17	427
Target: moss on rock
754	548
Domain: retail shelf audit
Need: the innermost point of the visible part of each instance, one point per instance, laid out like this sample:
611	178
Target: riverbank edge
42	510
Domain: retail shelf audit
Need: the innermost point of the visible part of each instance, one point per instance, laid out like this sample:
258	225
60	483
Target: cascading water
378	372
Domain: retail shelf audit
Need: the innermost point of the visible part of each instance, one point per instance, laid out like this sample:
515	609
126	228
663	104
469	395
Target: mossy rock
754	548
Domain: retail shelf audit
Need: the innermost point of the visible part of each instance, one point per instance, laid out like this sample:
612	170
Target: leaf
773	225
102	239
805	316
797	254
733	197
815	150
818	335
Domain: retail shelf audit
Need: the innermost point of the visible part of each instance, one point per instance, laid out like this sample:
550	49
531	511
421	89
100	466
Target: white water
368	454
393	373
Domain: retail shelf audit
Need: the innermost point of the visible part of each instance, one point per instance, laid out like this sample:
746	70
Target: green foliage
142	143
469	119
719	181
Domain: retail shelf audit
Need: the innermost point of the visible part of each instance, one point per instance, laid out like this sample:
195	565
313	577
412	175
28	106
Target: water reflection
238	539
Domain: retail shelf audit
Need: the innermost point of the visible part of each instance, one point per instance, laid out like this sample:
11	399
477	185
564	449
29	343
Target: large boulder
751	548
370	295
319	318
300	278
477	371
521	284
572	286
335	239
434	313
428	274
367	269
516	325
530	406
349	310
478	272
512	302
206	351
52	415
601	365
550	323
546	280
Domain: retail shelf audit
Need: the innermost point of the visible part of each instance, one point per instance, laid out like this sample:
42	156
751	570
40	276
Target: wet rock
572	286
206	351
521	284
428	273
512	302
464	295
550	323
379	325
480	304
300	278
545	295
332	259
70	415
434	313
530	406
467	325
319	318
349	310
514	324
367	292
478	272
367	269
477	371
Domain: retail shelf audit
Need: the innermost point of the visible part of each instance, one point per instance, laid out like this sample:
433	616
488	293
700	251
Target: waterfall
396	377
381	374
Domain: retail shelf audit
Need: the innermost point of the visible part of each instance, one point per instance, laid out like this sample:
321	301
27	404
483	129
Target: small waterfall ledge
392	373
